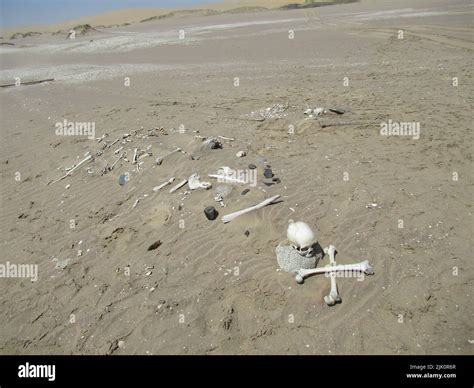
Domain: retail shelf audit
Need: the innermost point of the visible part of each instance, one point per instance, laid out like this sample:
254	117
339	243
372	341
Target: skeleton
295	258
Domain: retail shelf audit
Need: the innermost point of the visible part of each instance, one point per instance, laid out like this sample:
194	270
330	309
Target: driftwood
28	83
229	217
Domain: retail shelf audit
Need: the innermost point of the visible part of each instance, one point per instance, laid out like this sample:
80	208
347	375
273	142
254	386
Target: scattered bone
81	163
178	186
67	187
195	183
333	296
99	139
118	150
241	154
135	156
159	160
211	143
229	217
226	138
220	199
159	187
363	266
136	203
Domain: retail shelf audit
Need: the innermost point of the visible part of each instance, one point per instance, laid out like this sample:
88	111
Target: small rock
252	166
241	154
122	179
245	191
154	246
267	173
211	213
247	233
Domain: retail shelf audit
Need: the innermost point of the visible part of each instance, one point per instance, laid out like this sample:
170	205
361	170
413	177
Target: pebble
211	213
245	191
241	154
267	173
252	166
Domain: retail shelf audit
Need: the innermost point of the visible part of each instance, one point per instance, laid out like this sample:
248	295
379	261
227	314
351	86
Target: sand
209	287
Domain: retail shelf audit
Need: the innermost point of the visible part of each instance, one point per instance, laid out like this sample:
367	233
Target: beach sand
210	287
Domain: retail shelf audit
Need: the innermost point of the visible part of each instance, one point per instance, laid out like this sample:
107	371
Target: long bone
333	296
81	163
159	187
159	160
229	217
363	266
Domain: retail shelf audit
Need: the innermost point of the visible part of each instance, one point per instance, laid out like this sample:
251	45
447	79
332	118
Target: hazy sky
24	12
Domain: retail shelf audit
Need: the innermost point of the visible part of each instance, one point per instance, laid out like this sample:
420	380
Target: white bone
135	156
81	163
178	186
159	160
226	138
159	187
333	296
195	183
363	266
229	217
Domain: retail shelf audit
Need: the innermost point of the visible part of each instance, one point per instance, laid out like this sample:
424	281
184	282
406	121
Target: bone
178	186
81	163
225	178
195	183
118	150
229	217
159	187
135	156
119	158
333	296
363	266
159	160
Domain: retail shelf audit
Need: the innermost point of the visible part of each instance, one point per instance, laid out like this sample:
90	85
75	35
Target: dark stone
252	166
245	191
267	173
211	213
153	246
247	233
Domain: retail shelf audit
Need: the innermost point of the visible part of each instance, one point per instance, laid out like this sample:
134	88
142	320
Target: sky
27	12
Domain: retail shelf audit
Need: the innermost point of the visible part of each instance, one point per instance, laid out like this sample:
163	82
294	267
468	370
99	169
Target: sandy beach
123	269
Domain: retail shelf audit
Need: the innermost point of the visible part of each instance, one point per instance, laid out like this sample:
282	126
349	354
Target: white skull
301	236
